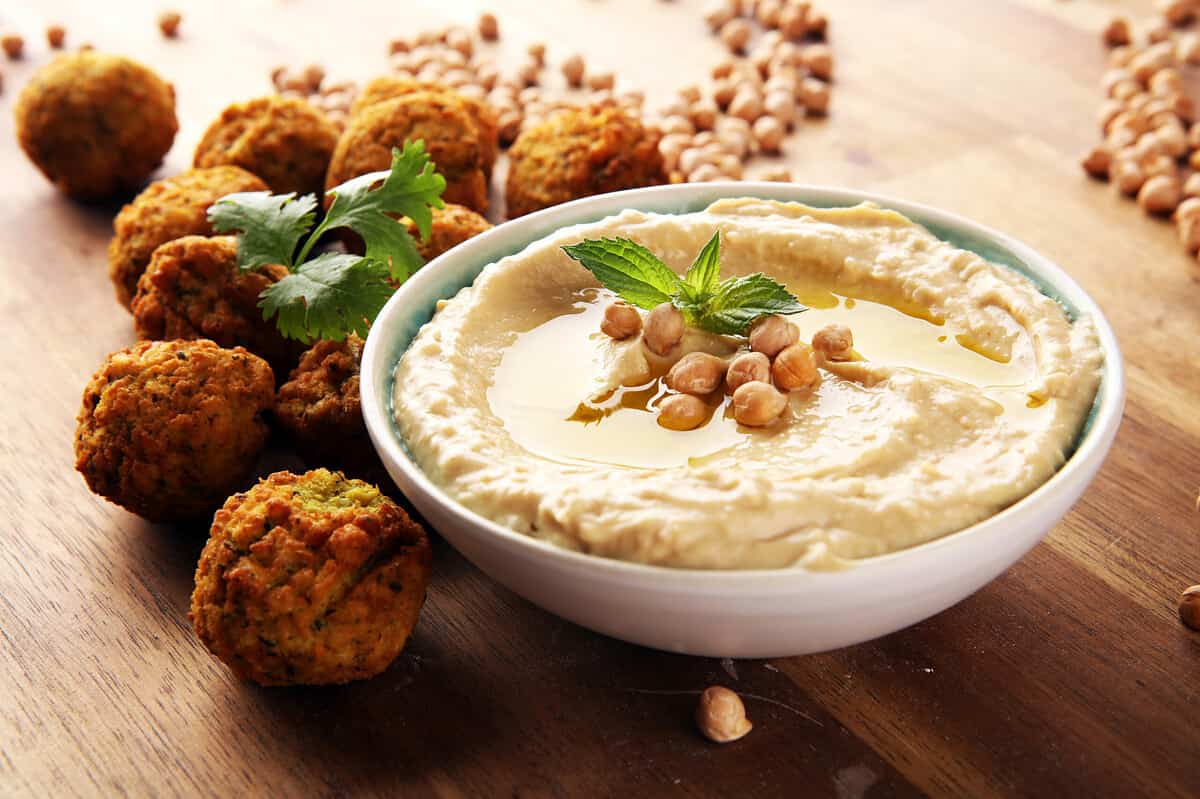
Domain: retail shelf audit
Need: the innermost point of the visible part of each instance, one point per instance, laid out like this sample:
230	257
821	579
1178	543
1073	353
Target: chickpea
770	335
1097	162
55	36
746	104
1121	55
693	158
781	105
834	341
723	92
721	716
601	81
1166	82
793	21
1177	12
1191	186
769	133
1158	33
674	124
757	404
508	126
768	12
814	95
819	60
1160	164
1151	60
1116	32
573	70
717	14
697	373
168	23
1160	194
724	69
778	176
1184	107
736	35
489	26
1189	607
13	45
705	173
1187	225
664	329
704	114
621	320
1127	175
1187	48
529	72
818	24
747	368
537	52
682	412
1173	138
795	368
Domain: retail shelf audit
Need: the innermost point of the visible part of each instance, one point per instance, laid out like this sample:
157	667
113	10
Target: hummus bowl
745	612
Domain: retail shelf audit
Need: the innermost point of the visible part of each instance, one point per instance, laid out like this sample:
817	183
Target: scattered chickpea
489	26
1121	56
757	404
1151	60
769	133
1189	607
723	92
724	69
1160	164
1097	161
834	341
529	73
460	40
795	367
819	60
1166	82
537	52
572	70
747	368
717	14
767	12
818	24
814	95
736	35
682	412
314	75
1127	175
13	45
793	21
1187	224
704	114
721	716
168	23
705	173
1160	194
508	126
770	335
778	175
1191	186
746	104
601	81
697	373
1177	12
55	36
781	105
1116	32
664	328
1158	33
1187	48
621	321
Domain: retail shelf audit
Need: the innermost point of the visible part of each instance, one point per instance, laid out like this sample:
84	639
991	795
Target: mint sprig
639	277
333	294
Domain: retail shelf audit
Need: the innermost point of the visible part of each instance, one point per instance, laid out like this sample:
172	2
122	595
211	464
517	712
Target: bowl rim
1091	447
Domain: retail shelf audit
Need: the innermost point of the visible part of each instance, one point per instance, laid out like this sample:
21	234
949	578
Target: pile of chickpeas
775	363
1151	145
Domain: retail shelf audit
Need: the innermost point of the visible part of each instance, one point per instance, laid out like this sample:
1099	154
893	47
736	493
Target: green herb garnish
639	277
334	294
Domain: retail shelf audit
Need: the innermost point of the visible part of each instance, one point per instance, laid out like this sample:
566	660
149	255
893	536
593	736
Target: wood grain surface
1068	676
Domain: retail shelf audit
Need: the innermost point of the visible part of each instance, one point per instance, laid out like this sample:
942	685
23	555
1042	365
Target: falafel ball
452	225
286	141
450	135
168	209
169	428
579	152
95	124
487	128
319	406
193	289
309	580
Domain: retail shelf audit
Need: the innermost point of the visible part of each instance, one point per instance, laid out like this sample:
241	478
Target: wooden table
1068	676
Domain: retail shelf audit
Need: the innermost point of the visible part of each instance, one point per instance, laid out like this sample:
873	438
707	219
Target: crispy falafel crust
168	428
192	289
310	579
286	141
452	225
168	209
450	137
319	404
96	125
579	152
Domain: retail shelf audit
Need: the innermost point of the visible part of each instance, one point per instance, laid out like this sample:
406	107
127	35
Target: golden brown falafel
450	137
319	405
579	152
96	124
168	209
452	225
487	128
286	141
193	289
310	579
169	428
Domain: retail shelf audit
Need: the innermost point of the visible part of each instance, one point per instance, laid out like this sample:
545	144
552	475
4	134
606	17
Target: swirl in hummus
970	393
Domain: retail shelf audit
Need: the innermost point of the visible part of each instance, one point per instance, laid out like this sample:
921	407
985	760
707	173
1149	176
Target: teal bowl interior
450	273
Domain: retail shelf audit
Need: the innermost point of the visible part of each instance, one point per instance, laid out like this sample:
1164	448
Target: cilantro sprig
639	277
334	294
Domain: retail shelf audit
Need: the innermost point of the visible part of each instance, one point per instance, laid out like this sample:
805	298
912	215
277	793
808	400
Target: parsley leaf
269	226
365	204
628	269
726	307
328	297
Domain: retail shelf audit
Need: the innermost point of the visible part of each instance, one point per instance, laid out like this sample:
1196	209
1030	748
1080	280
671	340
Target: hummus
970	392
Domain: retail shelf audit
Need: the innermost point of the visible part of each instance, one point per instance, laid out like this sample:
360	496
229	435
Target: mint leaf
628	269
328	297
703	275
366	204
738	301
270	226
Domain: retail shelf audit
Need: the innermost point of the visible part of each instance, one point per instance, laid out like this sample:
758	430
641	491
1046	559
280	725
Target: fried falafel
309	580
286	141
487	128
194	289
96	125
168	209
452	225
169	428
450	135
319	406
578	152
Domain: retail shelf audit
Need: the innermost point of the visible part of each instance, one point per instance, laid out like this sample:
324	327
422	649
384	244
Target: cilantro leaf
328	297
270	226
703	275
366	204
738	301
628	269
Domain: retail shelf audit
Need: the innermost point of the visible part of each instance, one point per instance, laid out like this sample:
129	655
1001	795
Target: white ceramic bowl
771	613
